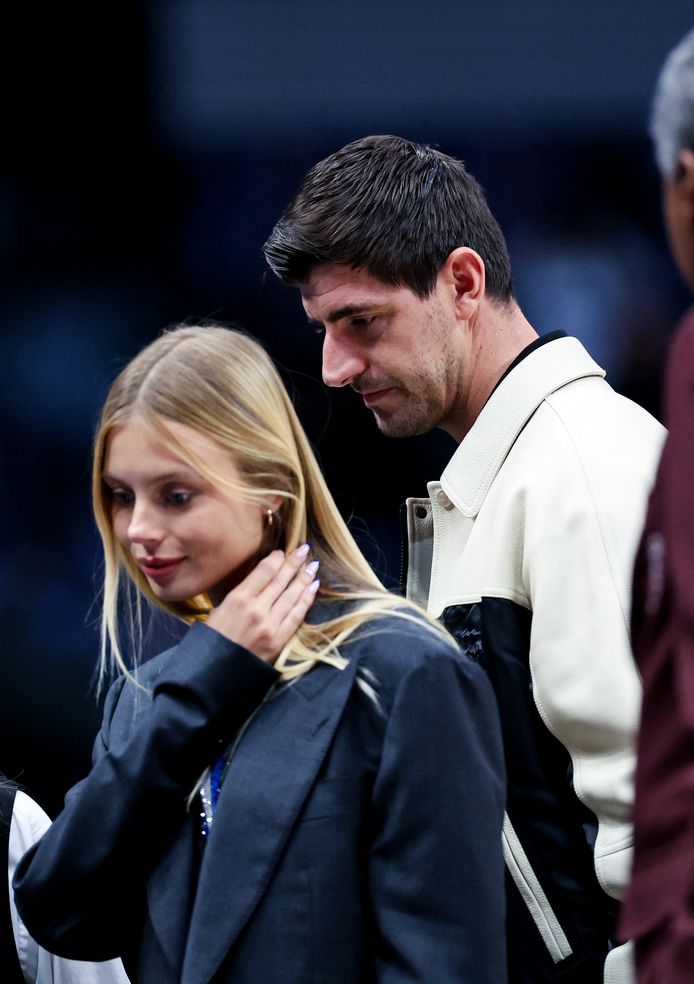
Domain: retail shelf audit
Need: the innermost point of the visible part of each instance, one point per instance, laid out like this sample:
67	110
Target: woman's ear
465	273
271	508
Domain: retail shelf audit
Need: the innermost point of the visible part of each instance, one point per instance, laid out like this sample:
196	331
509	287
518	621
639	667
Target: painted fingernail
314	585
312	568
303	550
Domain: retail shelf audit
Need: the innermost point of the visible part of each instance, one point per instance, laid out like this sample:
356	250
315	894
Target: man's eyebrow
346	311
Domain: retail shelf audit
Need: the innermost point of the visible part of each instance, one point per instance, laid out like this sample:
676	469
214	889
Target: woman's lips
159	569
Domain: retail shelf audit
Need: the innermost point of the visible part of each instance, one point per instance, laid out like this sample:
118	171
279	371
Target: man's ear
678	209
682	189
464	271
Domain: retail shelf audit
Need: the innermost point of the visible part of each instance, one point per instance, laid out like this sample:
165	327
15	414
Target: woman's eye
122	497
177	498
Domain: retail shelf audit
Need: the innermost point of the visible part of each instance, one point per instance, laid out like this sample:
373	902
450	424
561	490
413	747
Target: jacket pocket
334	797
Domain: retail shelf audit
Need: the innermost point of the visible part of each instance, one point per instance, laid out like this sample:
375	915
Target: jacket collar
472	469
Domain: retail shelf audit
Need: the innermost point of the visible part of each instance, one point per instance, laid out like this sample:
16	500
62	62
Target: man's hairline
502	302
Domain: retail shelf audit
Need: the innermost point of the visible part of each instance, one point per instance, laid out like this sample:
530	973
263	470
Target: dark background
147	150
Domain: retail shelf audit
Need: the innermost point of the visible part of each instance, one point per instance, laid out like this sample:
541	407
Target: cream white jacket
525	549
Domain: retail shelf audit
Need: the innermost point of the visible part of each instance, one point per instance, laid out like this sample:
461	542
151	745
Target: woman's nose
144	526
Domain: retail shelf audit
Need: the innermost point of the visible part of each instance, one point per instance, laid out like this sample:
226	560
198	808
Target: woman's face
187	537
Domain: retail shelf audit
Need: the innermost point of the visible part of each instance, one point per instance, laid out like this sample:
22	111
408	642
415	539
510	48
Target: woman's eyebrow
181	475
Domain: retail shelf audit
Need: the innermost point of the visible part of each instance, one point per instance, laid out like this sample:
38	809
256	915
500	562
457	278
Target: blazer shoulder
400	642
130	695
144	673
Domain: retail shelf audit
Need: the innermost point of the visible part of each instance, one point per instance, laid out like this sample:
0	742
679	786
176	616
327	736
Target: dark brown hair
394	208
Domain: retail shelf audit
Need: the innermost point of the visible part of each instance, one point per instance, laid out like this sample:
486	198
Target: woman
272	799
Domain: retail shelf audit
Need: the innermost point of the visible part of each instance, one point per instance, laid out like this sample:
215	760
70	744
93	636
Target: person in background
22	960
525	546
282	797
659	910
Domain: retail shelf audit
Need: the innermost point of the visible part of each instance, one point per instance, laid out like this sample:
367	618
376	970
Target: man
659	913
525	546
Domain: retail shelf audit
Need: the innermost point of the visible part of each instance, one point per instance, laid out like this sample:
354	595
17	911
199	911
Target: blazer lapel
267	782
169	910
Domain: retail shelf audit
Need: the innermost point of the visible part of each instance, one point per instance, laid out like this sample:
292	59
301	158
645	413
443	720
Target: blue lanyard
209	794
216	779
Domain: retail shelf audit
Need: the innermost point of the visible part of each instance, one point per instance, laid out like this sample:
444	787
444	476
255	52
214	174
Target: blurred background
147	150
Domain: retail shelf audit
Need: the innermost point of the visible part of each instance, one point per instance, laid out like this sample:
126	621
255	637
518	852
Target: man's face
401	352
678	208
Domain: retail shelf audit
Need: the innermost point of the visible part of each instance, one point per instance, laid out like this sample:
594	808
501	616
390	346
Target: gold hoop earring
270	516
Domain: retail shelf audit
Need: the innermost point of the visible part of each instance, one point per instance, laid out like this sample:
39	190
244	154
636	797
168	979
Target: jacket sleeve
80	889
580	537
578	561
436	875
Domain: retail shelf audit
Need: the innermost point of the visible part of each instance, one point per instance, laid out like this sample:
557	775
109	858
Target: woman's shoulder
141	677
131	693
401	659
400	640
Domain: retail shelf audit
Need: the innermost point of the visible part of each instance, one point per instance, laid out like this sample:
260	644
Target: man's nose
342	361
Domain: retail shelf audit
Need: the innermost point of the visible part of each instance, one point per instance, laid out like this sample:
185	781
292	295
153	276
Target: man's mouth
371	397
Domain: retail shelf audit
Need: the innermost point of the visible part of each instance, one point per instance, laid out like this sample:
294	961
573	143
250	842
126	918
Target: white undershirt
29	822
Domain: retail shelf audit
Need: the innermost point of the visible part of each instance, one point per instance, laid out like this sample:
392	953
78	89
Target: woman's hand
264	611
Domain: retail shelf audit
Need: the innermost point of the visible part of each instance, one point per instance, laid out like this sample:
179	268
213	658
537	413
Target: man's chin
392	425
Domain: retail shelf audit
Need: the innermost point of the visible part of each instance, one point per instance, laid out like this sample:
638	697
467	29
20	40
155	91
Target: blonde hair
222	383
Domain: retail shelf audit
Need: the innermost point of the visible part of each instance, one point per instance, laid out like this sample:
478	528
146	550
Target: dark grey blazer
357	835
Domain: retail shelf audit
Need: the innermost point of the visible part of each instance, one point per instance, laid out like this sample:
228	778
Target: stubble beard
417	416
426	396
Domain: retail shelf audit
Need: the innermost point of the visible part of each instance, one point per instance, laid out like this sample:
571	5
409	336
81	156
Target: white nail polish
313	568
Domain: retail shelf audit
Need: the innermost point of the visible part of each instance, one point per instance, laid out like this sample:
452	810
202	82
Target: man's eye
364	321
177	498
318	328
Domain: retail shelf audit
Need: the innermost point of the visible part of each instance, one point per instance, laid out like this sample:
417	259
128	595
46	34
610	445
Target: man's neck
498	336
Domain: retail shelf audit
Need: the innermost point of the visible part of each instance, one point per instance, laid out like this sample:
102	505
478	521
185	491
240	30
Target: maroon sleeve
659	909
